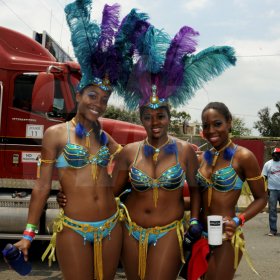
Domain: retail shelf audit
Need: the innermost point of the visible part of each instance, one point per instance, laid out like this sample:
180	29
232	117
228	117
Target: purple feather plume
109	26
182	44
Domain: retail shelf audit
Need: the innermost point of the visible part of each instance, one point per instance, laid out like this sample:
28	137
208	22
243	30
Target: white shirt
271	170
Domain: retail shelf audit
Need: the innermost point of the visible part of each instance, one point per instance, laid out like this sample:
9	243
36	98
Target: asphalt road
264	252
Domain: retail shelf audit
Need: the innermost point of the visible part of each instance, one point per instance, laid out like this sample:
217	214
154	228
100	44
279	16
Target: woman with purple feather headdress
87	233
165	72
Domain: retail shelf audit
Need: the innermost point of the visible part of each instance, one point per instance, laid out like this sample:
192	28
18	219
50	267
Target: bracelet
31	227
27	237
236	220
193	221
242	218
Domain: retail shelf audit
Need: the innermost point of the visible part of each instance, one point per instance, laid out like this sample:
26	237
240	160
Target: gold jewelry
84	132
217	153
156	149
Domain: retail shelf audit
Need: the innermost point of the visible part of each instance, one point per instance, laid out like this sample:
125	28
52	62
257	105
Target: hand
61	199
23	245
229	227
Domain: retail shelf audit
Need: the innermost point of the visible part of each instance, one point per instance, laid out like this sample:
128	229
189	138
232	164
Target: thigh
164	259
130	254
221	262
74	257
111	250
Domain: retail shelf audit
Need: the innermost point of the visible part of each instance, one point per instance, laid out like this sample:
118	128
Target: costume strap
144	238
57	227
238	244
39	163
209	192
258	178
112	156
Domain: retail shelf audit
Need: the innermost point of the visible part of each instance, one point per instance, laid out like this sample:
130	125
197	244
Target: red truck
36	92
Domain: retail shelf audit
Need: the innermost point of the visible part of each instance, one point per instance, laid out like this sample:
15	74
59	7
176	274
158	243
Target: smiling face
92	103
155	122
216	127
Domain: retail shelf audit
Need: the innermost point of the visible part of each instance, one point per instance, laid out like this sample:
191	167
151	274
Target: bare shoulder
183	145
244	155
56	133
132	147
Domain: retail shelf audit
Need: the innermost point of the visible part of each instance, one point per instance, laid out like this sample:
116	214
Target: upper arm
48	152
251	169
120	171
191	165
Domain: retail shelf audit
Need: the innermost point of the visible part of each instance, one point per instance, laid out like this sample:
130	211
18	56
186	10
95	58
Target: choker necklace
212	156
81	132
168	147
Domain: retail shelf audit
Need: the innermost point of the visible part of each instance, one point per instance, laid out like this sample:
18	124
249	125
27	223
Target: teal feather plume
201	68
152	48
84	35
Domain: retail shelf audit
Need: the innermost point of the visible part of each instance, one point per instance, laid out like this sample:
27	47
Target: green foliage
122	115
177	121
238	127
177	118
267	125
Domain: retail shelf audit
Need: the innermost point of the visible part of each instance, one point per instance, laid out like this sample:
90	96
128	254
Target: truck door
26	125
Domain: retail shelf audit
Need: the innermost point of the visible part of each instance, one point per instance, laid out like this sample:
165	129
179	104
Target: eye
105	100
205	125
146	117
161	116
218	123
92	95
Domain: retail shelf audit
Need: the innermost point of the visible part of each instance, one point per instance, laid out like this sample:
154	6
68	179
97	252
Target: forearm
38	200
255	207
195	201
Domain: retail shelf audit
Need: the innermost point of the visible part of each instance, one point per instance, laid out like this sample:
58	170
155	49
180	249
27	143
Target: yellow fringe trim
62	220
144	236
238	243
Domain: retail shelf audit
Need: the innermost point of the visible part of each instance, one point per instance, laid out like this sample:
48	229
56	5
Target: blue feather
148	150
103	138
171	148
208	156
228	153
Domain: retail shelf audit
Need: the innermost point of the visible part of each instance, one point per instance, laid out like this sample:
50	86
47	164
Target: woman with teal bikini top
223	170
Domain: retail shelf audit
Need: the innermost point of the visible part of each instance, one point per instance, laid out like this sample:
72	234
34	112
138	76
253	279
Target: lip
95	112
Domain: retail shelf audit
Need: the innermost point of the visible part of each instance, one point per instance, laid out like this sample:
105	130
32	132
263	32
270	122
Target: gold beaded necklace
156	149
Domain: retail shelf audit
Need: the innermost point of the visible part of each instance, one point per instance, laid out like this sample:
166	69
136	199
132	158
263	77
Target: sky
252	27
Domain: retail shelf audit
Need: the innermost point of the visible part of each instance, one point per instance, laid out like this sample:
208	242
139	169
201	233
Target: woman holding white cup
224	168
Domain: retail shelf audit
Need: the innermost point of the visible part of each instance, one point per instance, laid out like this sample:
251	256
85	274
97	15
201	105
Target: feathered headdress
168	71
105	51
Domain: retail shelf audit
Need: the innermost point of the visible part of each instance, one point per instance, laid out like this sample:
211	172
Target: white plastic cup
215	230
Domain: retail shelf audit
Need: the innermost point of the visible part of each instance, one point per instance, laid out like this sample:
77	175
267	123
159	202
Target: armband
236	220
39	163
242	219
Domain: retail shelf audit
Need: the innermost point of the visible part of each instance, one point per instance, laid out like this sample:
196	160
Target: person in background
271	171
87	233
223	170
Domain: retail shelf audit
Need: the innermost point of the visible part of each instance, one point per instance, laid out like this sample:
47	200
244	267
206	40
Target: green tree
115	113
238	127
177	121
267	125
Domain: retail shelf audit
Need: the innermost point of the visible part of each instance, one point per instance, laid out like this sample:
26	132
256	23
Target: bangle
236	220
242	218
193	221
27	237
31	227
